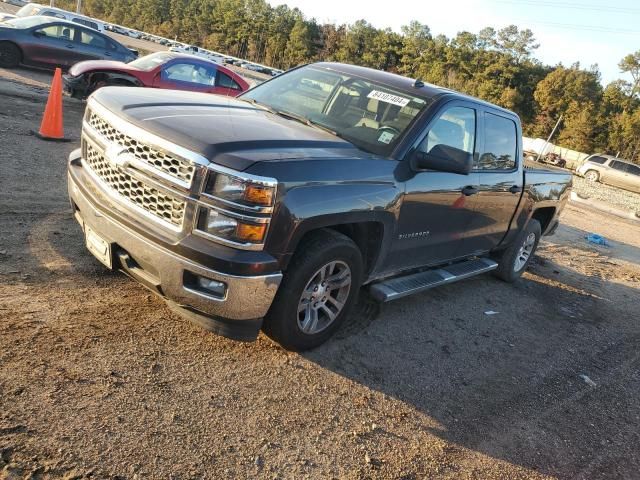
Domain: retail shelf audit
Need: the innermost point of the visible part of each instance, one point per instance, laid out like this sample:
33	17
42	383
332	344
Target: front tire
317	292
592	176
10	55
516	258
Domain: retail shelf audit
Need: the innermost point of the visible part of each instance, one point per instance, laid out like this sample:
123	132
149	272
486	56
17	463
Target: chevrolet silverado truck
273	210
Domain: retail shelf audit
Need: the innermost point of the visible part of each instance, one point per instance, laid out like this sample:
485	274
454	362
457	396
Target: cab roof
409	85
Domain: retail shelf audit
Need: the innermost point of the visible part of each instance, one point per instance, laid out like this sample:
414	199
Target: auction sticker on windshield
388	98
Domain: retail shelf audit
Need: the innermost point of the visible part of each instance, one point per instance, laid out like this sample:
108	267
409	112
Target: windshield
149	62
370	115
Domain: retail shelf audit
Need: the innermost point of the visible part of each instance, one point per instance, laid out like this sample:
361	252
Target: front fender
311	207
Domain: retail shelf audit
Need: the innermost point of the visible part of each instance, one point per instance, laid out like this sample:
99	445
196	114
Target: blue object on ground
597	239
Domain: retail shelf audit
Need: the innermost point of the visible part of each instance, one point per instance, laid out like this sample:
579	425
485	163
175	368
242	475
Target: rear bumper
237	314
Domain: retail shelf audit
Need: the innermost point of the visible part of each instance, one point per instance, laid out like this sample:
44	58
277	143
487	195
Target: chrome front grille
164	206
174	167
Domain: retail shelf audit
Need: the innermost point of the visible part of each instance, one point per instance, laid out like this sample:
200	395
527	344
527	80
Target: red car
170	70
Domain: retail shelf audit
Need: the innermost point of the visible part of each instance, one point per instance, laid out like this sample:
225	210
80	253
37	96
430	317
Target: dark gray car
46	42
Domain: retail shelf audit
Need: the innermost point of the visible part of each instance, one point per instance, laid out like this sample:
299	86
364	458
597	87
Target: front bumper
238	314
75	86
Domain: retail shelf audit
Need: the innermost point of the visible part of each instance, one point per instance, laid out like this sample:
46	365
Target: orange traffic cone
51	127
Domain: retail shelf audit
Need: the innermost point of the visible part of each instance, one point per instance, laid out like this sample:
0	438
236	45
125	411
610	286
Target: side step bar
399	287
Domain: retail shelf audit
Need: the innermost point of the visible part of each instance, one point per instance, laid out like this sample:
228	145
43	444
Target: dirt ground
98	379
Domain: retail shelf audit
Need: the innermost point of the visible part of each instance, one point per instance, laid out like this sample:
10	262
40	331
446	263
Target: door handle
71	47
515	189
469	190
107	54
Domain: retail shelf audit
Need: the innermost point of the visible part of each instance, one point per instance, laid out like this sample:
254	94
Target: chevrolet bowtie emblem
118	156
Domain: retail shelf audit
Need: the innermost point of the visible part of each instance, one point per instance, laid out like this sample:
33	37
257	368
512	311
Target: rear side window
226	81
86	23
598	160
500	144
93	40
633	170
618	166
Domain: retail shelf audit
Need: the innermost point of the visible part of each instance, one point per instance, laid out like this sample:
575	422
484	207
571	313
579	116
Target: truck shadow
508	384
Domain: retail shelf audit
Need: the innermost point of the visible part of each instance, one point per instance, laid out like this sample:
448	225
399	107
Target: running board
399	287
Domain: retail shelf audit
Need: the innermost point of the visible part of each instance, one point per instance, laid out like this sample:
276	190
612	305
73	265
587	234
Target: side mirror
443	158
38	34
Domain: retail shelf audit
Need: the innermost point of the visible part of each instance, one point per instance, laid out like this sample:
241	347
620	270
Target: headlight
234	189
229	228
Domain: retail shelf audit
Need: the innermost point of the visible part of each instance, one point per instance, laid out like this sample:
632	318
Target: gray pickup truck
272	210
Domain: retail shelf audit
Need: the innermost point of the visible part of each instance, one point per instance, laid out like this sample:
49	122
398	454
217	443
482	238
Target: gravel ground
98	379
616	197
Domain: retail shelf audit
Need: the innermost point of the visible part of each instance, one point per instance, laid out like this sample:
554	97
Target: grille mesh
161	205
180	169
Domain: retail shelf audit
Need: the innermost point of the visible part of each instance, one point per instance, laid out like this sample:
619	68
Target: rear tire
516	258
592	176
10	55
317	292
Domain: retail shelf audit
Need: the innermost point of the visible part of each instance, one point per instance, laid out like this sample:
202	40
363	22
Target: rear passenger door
92	45
500	179
632	178
615	174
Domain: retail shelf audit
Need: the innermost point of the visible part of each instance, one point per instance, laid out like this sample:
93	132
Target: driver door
438	207
54	45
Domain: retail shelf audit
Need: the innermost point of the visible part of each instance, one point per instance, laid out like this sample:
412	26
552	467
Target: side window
226	81
49	13
86	23
191	73
500	144
93	40
596	159
455	127
633	170
618	166
61	32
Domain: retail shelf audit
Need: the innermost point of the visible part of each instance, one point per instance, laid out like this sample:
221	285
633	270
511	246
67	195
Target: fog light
212	286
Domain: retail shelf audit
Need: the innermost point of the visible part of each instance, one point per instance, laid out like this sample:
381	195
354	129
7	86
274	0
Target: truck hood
89	65
224	130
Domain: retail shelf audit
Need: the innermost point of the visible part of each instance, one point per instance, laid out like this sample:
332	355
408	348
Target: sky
589	31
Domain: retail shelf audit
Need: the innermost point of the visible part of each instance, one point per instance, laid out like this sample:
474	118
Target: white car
198	52
31	9
17	3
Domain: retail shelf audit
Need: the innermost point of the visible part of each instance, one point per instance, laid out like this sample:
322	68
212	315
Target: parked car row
36	9
44	41
95	59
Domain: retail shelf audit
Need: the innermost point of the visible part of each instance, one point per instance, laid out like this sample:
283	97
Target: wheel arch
11	42
111	75
544	215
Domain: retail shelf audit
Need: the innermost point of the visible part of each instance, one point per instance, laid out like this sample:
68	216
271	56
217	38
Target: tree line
495	65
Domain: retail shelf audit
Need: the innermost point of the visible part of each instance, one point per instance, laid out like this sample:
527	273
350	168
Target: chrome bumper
246	298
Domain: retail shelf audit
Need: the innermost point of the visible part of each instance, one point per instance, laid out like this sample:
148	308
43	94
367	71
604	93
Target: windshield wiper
253	101
307	122
291	116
